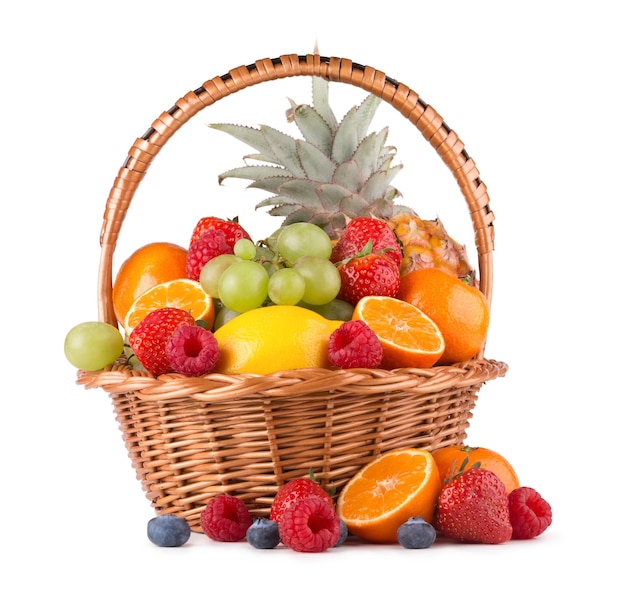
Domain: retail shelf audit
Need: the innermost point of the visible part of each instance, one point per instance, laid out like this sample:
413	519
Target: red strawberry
358	232
530	513
474	507
294	490
148	339
368	273
231	228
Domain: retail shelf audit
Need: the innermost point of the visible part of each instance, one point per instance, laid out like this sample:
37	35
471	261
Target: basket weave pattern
191	438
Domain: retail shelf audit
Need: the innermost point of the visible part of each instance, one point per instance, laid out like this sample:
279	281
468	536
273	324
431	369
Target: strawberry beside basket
190	438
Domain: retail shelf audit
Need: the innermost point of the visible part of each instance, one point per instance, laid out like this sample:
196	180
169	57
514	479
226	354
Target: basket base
192	439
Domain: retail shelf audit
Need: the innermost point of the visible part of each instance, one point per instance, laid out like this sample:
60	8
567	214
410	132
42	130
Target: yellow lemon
274	338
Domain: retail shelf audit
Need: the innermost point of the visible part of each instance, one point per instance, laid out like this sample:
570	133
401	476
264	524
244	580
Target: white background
535	90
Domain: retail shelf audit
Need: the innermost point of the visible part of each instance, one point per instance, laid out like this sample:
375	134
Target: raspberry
211	244
225	519
310	525
192	350
354	345
530	513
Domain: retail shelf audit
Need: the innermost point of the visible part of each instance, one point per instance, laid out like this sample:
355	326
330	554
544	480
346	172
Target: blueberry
343	533
263	533
168	530
416	533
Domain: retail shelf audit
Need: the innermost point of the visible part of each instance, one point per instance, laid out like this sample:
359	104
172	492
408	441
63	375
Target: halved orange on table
182	293
408	336
391	489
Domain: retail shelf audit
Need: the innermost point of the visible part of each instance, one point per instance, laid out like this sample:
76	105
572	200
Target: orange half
391	489
182	293
408	336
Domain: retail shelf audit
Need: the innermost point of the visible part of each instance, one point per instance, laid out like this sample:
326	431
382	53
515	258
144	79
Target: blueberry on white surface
263	533
415	533
168	530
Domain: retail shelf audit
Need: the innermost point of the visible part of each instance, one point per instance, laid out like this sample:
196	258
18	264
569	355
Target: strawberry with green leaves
474	507
368	273
358	232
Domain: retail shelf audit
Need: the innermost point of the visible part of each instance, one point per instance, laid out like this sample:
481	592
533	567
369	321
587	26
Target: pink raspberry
211	244
225	519
354	345
192	350
530	513
310	525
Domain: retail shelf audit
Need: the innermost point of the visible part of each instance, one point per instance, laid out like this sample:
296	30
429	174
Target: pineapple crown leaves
336	171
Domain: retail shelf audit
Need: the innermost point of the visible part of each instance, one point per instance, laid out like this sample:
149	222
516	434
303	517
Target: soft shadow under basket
192	438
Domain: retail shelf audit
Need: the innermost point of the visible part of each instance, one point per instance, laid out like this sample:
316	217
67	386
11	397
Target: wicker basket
192	438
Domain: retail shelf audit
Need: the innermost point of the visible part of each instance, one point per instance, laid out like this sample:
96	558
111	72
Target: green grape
90	346
321	278
303	239
223	316
245	249
213	269
286	287
243	286
337	309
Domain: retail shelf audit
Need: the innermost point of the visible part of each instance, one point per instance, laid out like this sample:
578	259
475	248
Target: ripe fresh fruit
294	490
530	513
426	244
368	273
243	286
321	279
182	293
302	239
213	270
146	267
452	459
233	231
409	338
286	286
90	346
358	232
244	249
225	518
192	350
395	486
211	244
263	533
310	525
148	339
168	530
354	345
274	338
460	310
474	507
415	533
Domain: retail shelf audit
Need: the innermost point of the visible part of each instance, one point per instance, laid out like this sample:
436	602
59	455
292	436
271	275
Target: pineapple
336	172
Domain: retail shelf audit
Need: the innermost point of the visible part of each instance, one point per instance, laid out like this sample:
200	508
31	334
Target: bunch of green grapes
293	268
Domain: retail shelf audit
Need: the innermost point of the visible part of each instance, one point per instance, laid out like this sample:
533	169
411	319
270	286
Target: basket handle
432	126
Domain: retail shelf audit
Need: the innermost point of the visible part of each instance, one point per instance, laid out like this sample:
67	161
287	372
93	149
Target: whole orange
459	310
149	265
450	459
